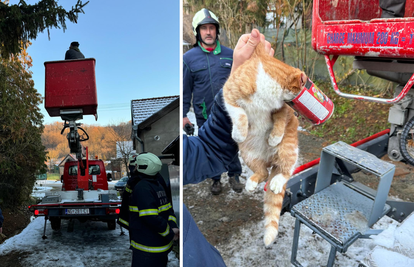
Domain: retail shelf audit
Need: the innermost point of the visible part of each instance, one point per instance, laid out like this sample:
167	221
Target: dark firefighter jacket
204	156
74	54
204	74
123	219
151	217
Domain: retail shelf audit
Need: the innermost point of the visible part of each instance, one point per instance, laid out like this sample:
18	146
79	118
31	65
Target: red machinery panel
70	84
354	27
349	9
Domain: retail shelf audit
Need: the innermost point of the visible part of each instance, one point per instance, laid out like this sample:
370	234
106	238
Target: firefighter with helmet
206	68
152	223
123	219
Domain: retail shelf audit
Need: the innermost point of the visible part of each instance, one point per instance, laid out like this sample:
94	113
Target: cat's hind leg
285	160
259	167
281	174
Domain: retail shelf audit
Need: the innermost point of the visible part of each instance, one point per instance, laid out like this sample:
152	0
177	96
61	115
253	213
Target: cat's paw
250	185
237	135
275	140
277	183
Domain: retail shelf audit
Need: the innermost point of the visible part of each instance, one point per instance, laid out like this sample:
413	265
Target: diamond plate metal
338	211
359	158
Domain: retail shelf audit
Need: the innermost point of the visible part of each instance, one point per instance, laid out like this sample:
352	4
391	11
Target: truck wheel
111	225
55	222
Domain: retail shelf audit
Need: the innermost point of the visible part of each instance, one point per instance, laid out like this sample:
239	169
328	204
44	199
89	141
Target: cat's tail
272	208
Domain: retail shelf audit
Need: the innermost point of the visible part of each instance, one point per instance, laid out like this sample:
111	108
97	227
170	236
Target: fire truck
70	92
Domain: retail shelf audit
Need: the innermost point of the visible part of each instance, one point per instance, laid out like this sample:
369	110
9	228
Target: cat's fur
265	127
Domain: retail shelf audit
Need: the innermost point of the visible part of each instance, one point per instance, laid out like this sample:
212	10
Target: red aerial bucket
313	104
70	84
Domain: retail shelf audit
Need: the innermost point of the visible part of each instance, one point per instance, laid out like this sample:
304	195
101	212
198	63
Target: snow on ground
246	248
394	246
39	192
90	244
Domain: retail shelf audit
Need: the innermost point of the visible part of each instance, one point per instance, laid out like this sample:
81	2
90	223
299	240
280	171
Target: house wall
161	134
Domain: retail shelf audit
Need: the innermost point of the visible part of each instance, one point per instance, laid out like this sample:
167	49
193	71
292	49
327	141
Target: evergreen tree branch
23	22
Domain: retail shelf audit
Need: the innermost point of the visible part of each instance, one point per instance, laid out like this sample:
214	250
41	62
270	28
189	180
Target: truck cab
96	171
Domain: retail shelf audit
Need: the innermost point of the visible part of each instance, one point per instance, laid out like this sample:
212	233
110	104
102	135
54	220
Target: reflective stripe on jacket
151	217
151	249
123	219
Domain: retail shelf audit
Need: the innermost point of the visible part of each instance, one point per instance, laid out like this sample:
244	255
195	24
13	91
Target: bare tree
121	136
188	34
236	16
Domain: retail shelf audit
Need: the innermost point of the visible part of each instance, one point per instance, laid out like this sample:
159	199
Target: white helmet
205	16
148	163
133	159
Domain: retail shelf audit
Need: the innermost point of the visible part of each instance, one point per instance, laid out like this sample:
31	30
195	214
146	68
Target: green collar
216	51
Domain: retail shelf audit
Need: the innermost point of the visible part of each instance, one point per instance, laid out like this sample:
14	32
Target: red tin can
313	104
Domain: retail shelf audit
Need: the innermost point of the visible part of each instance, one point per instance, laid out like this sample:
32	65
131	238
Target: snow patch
90	244
246	247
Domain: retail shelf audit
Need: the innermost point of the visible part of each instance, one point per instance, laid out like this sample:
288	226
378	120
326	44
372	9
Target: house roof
69	157
143	109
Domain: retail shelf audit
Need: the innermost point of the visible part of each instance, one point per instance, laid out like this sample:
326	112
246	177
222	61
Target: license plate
77	211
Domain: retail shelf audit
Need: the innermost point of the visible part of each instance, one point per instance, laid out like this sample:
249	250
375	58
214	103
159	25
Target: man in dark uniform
152	223
74	52
123	219
206	68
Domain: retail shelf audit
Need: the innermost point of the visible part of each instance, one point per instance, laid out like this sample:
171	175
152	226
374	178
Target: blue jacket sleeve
209	154
1	219
197	251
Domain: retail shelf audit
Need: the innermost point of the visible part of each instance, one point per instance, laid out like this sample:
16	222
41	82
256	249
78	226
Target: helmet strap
142	167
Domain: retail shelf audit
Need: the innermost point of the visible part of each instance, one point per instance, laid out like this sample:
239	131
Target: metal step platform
339	213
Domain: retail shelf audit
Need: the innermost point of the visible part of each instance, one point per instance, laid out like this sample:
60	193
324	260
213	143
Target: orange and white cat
265	127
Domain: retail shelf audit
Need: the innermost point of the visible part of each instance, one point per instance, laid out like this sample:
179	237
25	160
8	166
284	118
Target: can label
313	104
